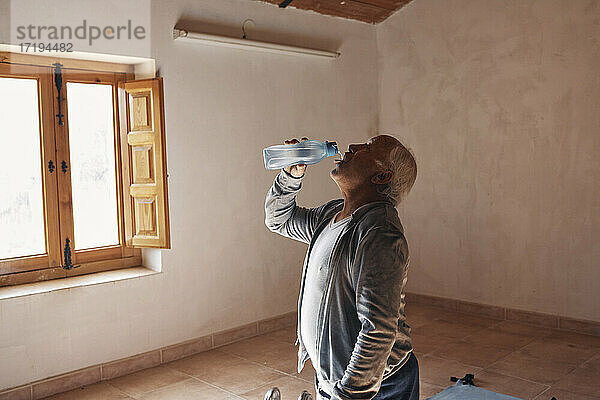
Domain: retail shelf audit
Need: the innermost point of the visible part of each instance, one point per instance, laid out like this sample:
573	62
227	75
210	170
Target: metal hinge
64	166
58	83
67	254
51	166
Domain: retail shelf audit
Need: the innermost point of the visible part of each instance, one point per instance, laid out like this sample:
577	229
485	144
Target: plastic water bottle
306	152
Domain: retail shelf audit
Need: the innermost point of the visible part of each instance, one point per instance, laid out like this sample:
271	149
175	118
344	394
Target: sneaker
305	396
273	394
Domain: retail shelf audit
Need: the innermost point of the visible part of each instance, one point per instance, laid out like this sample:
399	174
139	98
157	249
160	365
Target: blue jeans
402	385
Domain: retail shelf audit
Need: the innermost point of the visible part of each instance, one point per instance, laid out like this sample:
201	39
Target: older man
351	320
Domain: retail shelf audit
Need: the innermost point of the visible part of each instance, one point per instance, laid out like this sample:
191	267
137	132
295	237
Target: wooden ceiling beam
371	11
391	5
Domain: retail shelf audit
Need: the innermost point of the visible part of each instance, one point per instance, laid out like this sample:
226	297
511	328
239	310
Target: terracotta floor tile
575	338
509	385
531	368
308	373
519	359
242	377
286	335
416	321
190	389
521	329
470	320
437	371
98	391
226	371
147	380
428	390
290	388
560	352
584	380
426	344
263	350
417	316
492	337
205	363
470	354
446	329
563	395
594	361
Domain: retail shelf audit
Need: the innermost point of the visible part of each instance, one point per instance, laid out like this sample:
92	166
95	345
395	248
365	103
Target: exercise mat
465	390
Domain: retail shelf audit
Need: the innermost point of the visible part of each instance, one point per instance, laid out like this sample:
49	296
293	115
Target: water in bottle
306	152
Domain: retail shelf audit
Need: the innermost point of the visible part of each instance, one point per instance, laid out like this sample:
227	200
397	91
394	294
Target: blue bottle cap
332	148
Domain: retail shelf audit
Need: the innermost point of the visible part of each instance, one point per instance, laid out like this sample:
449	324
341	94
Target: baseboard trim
505	313
113	369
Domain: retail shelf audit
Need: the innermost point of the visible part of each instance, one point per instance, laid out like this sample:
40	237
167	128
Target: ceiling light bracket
244	27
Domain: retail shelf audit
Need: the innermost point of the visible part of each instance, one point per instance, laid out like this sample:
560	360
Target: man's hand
295	170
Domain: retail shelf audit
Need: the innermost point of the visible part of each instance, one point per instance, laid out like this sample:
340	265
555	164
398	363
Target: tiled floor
521	360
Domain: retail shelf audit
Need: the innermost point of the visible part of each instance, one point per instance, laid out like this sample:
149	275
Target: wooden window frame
49	184
57	195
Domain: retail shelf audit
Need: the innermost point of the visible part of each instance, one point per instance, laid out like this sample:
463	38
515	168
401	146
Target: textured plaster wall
500	101
225	268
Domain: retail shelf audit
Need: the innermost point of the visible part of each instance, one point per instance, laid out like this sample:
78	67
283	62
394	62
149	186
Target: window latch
58	83
67	254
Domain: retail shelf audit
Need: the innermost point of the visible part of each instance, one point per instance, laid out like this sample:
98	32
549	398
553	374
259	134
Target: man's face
359	163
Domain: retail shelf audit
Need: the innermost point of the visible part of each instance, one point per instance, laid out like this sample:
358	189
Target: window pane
92	149
21	204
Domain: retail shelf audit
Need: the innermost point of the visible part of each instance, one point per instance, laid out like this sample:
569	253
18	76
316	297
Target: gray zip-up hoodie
362	334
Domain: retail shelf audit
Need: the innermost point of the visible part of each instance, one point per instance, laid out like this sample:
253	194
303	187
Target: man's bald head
402	164
382	162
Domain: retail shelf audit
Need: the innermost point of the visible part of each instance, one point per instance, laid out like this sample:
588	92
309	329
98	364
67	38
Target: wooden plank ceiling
371	11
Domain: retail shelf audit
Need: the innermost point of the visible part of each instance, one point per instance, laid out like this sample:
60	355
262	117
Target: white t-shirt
315	284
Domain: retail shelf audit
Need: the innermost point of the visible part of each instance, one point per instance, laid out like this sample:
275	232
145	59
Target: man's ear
382	177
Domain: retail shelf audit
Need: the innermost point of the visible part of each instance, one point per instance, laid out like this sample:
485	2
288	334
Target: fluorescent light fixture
247	44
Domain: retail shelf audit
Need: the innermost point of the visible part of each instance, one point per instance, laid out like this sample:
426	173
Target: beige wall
225	268
500	102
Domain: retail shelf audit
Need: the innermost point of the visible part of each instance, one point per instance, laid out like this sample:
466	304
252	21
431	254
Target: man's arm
378	275
283	216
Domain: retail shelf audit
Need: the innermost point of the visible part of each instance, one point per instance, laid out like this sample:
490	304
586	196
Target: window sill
29	289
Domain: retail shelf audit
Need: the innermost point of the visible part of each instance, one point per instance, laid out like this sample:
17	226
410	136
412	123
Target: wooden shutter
146	209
